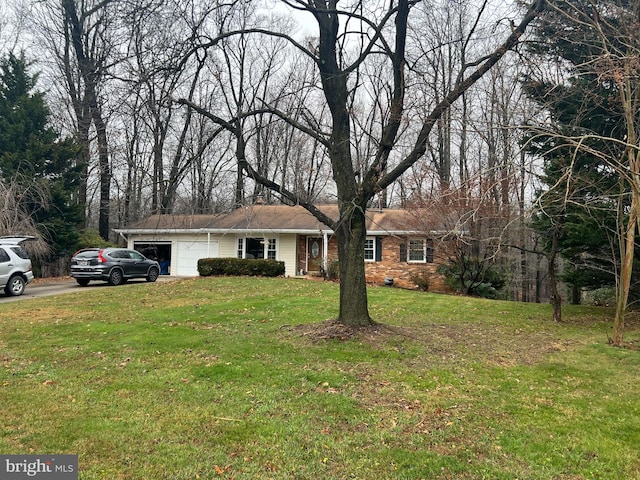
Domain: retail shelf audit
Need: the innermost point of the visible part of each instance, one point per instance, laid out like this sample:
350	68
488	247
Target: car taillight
101	259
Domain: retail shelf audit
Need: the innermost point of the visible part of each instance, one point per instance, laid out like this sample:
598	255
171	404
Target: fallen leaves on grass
445	342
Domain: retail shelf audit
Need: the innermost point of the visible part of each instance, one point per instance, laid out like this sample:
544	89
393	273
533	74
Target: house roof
275	219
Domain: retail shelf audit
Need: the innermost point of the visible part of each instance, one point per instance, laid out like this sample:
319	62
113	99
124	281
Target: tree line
516	123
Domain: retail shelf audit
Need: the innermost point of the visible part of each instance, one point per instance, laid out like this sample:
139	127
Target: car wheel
116	277
83	282
152	276
15	286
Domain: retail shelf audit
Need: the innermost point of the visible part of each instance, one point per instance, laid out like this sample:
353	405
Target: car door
121	259
5	266
137	263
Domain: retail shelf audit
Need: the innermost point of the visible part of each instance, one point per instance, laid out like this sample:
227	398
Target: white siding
287	253
187	249
228	246
188	254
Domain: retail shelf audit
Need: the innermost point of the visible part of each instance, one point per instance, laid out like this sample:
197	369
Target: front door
315	254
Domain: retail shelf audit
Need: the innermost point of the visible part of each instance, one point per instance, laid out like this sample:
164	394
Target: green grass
228	378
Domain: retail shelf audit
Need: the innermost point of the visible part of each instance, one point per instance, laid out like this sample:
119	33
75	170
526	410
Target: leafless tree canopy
195	107
15	220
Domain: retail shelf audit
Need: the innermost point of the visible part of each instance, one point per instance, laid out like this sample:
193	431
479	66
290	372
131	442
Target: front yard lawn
246	378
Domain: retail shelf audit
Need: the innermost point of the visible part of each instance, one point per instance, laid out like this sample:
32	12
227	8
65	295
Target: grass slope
232	378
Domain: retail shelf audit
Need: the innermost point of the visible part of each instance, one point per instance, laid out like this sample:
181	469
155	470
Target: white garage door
188	255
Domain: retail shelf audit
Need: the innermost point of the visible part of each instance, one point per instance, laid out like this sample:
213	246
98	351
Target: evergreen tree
578	210
33	156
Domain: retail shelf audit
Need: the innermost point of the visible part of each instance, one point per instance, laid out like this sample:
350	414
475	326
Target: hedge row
208	267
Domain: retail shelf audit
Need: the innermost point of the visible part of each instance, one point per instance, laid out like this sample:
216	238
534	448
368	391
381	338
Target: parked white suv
15	265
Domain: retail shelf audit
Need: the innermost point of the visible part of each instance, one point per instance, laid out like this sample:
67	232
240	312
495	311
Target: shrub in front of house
208	267
420	279
333	271
474	276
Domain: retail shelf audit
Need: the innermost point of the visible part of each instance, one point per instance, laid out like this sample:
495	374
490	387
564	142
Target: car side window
4	256
135	255
18	250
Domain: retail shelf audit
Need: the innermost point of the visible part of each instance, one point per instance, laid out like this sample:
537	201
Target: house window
256	247
370	249
420	250
271	249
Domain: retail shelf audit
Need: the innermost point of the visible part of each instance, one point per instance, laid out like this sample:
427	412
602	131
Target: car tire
83	282
152	274
116	277
15	286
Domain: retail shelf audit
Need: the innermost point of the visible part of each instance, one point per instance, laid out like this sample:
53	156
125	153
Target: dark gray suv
113	265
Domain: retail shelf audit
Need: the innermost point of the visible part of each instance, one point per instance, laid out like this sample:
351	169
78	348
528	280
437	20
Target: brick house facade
391	261
400	244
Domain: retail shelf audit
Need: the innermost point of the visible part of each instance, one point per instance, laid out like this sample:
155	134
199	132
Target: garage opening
159	251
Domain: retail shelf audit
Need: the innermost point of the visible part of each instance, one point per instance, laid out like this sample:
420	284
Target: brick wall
402	272
389	266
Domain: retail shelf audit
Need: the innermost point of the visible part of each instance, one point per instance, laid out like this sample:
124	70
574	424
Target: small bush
208	267
474	276
333	271
90	238
601	296
421	280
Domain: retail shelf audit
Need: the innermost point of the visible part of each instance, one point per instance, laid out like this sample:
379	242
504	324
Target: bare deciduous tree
339	62
15	218
89	29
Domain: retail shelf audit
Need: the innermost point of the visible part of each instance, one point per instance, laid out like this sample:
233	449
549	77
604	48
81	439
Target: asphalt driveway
58	286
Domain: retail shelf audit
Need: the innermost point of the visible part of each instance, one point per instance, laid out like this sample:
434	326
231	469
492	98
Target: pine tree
589	207
35	158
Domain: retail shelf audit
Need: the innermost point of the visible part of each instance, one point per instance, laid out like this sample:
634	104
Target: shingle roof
282	218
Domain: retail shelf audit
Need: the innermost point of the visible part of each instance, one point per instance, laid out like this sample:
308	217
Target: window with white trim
272	252
420	250
370	249
257	247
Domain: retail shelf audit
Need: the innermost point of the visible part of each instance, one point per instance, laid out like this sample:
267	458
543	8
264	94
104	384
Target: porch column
325	251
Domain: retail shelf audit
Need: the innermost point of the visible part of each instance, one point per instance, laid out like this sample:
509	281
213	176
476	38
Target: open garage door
158	251
190	252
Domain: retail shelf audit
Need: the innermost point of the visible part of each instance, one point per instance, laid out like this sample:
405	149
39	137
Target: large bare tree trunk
350	228
105	174
82	136
90	75
351	235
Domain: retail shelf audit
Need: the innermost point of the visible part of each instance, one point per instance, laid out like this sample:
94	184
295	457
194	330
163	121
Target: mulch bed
334	330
